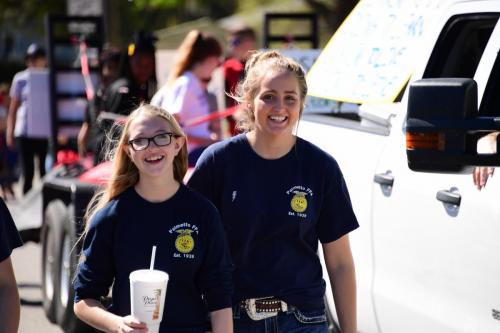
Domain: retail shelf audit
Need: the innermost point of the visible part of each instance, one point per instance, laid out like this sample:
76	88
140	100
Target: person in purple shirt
29	146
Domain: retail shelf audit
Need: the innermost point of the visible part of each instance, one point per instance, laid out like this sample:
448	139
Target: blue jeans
292	321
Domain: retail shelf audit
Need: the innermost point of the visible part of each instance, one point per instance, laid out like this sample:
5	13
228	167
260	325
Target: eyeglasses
160	140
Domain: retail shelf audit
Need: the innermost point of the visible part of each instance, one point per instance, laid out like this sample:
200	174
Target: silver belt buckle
251	309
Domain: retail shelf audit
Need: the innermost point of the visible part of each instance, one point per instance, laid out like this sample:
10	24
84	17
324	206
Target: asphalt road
27	267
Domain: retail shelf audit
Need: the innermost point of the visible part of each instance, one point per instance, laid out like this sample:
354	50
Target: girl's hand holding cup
130	324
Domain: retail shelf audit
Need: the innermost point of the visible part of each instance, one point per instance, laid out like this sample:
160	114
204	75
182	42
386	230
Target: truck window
460	46
490	105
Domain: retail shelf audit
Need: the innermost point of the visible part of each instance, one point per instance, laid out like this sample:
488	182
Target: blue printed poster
372	55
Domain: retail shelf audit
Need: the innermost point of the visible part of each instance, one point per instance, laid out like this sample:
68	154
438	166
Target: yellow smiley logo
299	202
184	242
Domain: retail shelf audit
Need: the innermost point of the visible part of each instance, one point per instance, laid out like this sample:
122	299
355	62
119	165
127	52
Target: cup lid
148	275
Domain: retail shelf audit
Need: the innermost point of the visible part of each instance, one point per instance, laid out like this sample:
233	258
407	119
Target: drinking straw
153	254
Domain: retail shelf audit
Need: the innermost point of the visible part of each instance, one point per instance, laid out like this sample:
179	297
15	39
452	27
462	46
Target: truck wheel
51	238
69	252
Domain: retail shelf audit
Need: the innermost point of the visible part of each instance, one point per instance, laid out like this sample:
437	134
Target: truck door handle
449	197
386	179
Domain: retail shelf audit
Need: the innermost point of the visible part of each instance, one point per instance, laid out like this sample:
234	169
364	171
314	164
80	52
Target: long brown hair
124	172
195	48
257	66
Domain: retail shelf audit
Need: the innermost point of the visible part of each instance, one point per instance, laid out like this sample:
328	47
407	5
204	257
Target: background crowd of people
127	79
237	256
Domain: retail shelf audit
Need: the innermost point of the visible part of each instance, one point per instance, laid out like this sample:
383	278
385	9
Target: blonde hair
258	65
195	48
124	172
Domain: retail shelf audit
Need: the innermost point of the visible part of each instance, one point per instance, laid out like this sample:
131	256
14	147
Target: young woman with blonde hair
145	204
279	196
184	94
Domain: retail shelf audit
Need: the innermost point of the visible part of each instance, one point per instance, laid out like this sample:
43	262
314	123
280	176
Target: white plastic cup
147	296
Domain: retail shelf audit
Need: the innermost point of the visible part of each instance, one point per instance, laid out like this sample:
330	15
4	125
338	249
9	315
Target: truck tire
68	260
51	239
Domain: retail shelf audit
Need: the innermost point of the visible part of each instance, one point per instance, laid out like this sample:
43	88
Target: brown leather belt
261	308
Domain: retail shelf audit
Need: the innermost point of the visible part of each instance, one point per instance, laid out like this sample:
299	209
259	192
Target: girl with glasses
145	204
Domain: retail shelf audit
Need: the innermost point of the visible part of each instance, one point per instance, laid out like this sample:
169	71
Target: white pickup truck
427	252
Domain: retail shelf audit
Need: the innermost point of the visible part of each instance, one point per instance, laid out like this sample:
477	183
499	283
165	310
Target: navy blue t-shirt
9	236
274	212
120	239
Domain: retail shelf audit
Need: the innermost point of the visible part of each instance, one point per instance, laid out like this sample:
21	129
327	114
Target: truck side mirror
442	126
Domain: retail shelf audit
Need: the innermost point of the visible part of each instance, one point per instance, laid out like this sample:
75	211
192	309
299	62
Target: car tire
69	252
51	239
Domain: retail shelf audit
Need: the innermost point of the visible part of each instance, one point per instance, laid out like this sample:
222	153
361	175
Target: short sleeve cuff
219	302
335	236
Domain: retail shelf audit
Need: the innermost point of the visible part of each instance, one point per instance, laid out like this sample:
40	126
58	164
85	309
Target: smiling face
154	161
277	105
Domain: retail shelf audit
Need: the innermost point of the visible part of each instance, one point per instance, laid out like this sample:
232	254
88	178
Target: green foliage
26	10
212	8
219	8
158	4
130	16
249	5
126	17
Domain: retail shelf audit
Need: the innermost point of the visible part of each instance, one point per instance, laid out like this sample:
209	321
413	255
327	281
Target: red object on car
67	157
97	175
101	173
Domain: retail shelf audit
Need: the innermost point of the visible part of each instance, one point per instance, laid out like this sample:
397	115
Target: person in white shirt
184	95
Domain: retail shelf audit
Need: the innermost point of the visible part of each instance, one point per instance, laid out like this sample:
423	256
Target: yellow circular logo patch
184	242
299	202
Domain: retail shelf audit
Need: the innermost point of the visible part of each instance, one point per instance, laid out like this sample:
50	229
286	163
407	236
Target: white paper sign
84	7
306	59
371	56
